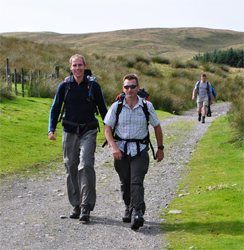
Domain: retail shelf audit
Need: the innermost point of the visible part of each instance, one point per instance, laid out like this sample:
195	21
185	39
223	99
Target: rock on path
31	208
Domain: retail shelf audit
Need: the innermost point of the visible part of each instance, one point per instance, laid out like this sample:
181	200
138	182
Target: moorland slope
182	43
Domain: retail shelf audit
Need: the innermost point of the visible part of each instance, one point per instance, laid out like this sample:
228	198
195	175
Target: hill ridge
167	42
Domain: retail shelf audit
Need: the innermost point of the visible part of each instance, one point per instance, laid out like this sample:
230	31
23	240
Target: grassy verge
24	141
212	205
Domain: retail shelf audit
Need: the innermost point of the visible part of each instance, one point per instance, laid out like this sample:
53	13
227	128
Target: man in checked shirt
131	159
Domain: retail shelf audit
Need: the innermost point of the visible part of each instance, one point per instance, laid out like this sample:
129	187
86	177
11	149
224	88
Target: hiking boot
199	117
203	119
137	221
127	214
85	214
75	213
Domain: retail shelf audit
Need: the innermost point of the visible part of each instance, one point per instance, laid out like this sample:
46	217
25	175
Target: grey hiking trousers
79	157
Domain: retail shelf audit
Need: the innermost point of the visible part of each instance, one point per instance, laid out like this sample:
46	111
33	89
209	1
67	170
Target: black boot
138	220
127	215
75	213
85	214
199	117
203	119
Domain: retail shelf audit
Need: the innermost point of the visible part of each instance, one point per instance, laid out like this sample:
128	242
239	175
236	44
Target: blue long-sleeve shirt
77	107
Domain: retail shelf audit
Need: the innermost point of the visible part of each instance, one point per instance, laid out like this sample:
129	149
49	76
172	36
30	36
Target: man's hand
52	135
116	152
159	155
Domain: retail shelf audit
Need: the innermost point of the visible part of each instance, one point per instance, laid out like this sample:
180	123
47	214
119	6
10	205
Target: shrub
236	117
142	59
180	73
178	64
147	69
220	73
43	88
192	64
161	60
206	67
151	71
130	63
5	93
212	69
140	66
224	67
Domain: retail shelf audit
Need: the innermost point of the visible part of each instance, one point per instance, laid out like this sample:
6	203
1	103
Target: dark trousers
131	171
209	108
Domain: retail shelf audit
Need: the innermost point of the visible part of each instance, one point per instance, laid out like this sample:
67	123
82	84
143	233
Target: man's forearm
108	134
159	134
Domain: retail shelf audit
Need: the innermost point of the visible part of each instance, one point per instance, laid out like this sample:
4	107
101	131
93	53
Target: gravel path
31	208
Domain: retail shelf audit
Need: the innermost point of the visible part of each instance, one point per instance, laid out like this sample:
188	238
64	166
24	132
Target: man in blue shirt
79	135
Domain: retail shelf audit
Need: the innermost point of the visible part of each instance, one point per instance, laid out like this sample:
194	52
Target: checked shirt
132	124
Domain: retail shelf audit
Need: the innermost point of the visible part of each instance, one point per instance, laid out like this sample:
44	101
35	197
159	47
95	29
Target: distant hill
182	43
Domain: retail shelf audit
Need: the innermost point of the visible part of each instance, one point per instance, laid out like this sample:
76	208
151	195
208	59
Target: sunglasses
130	86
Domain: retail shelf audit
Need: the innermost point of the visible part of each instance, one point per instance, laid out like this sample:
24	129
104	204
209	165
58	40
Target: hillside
181	43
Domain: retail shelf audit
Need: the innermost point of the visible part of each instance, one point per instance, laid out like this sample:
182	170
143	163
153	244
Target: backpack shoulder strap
198	83
67	88
208	86
91	96
145	110
120	104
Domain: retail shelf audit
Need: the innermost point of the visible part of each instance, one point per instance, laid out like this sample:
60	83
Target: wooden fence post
9	79
56	72
22	82
15	82
30	78
7	70
34	75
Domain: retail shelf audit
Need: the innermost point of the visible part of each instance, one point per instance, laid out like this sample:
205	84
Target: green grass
212	204
24	140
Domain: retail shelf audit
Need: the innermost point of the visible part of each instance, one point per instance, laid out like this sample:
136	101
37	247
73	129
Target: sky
91	16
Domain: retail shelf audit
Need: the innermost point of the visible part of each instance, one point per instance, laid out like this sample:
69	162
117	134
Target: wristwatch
161	147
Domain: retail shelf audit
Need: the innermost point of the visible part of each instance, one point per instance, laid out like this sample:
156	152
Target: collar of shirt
85	80
139	102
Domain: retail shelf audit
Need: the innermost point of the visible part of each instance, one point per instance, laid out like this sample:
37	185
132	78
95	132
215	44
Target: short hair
204	75
131	77
77	56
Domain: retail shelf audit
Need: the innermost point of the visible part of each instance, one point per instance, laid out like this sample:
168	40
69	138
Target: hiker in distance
209	112
130	147
79	135
202	88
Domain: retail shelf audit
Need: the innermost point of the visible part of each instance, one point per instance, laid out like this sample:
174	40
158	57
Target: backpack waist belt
137	141
82	128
